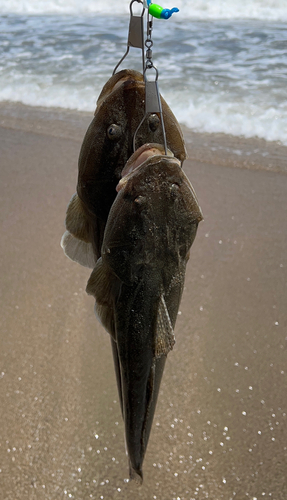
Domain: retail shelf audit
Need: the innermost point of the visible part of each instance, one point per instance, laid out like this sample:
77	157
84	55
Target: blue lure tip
167	13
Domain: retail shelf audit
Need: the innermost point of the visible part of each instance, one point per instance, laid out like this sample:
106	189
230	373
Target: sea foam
208	113
271	10
247	120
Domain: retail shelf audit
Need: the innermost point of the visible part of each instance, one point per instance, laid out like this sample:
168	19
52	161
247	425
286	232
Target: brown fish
139	279
106	148
103	160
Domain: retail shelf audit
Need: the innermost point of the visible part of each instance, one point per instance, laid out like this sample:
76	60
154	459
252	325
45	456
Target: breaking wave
270	10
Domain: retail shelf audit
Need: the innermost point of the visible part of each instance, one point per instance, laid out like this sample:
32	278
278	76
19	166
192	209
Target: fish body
139	279
107	145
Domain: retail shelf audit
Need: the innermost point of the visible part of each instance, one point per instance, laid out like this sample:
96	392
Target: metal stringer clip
136	34
152	95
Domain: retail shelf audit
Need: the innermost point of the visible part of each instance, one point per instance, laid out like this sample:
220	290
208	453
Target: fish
107	145
138	282
106	160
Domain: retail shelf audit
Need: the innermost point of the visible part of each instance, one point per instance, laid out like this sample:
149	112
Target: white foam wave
271	10
63	7
28	89
204	113
213	114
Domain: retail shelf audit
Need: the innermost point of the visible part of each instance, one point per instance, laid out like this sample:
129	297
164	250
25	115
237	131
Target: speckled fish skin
107	145
138	283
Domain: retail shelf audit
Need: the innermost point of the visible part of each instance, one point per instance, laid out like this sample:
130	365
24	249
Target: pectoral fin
78	250
105	316
77	222
165	339
100	285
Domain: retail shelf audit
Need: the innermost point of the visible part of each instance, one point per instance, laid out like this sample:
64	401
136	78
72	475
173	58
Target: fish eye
153	122
114	132
139	200
174	188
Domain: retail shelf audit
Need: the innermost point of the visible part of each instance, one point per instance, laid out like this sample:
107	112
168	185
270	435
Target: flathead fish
133	222
107	145
138	281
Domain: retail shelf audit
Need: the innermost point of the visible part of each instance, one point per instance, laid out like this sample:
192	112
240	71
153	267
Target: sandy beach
220	426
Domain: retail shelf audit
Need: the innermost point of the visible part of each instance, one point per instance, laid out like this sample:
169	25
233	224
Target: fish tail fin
136	475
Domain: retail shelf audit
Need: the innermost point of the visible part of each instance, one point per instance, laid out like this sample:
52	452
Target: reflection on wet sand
220	425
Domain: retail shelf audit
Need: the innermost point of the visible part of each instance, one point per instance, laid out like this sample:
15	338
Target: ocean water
222	65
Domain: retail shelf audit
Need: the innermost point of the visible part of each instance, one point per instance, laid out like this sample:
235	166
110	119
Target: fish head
155	215
157	175
109	140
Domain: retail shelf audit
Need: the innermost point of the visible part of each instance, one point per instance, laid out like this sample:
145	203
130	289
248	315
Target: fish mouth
141	156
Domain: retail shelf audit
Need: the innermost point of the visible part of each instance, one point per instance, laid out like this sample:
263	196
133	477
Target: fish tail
136	475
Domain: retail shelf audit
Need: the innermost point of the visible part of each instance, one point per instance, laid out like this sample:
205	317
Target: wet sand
220	426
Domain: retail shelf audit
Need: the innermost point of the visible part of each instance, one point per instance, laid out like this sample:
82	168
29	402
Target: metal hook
152	103
136	34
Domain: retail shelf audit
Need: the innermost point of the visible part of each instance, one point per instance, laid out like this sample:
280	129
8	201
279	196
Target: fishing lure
158	11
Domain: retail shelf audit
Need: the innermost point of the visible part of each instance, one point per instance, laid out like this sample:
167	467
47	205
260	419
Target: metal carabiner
136	34
152	102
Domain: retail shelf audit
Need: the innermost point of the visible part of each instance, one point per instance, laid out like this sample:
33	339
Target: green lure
159	12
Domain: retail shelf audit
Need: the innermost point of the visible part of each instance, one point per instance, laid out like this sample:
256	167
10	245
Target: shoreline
215	148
